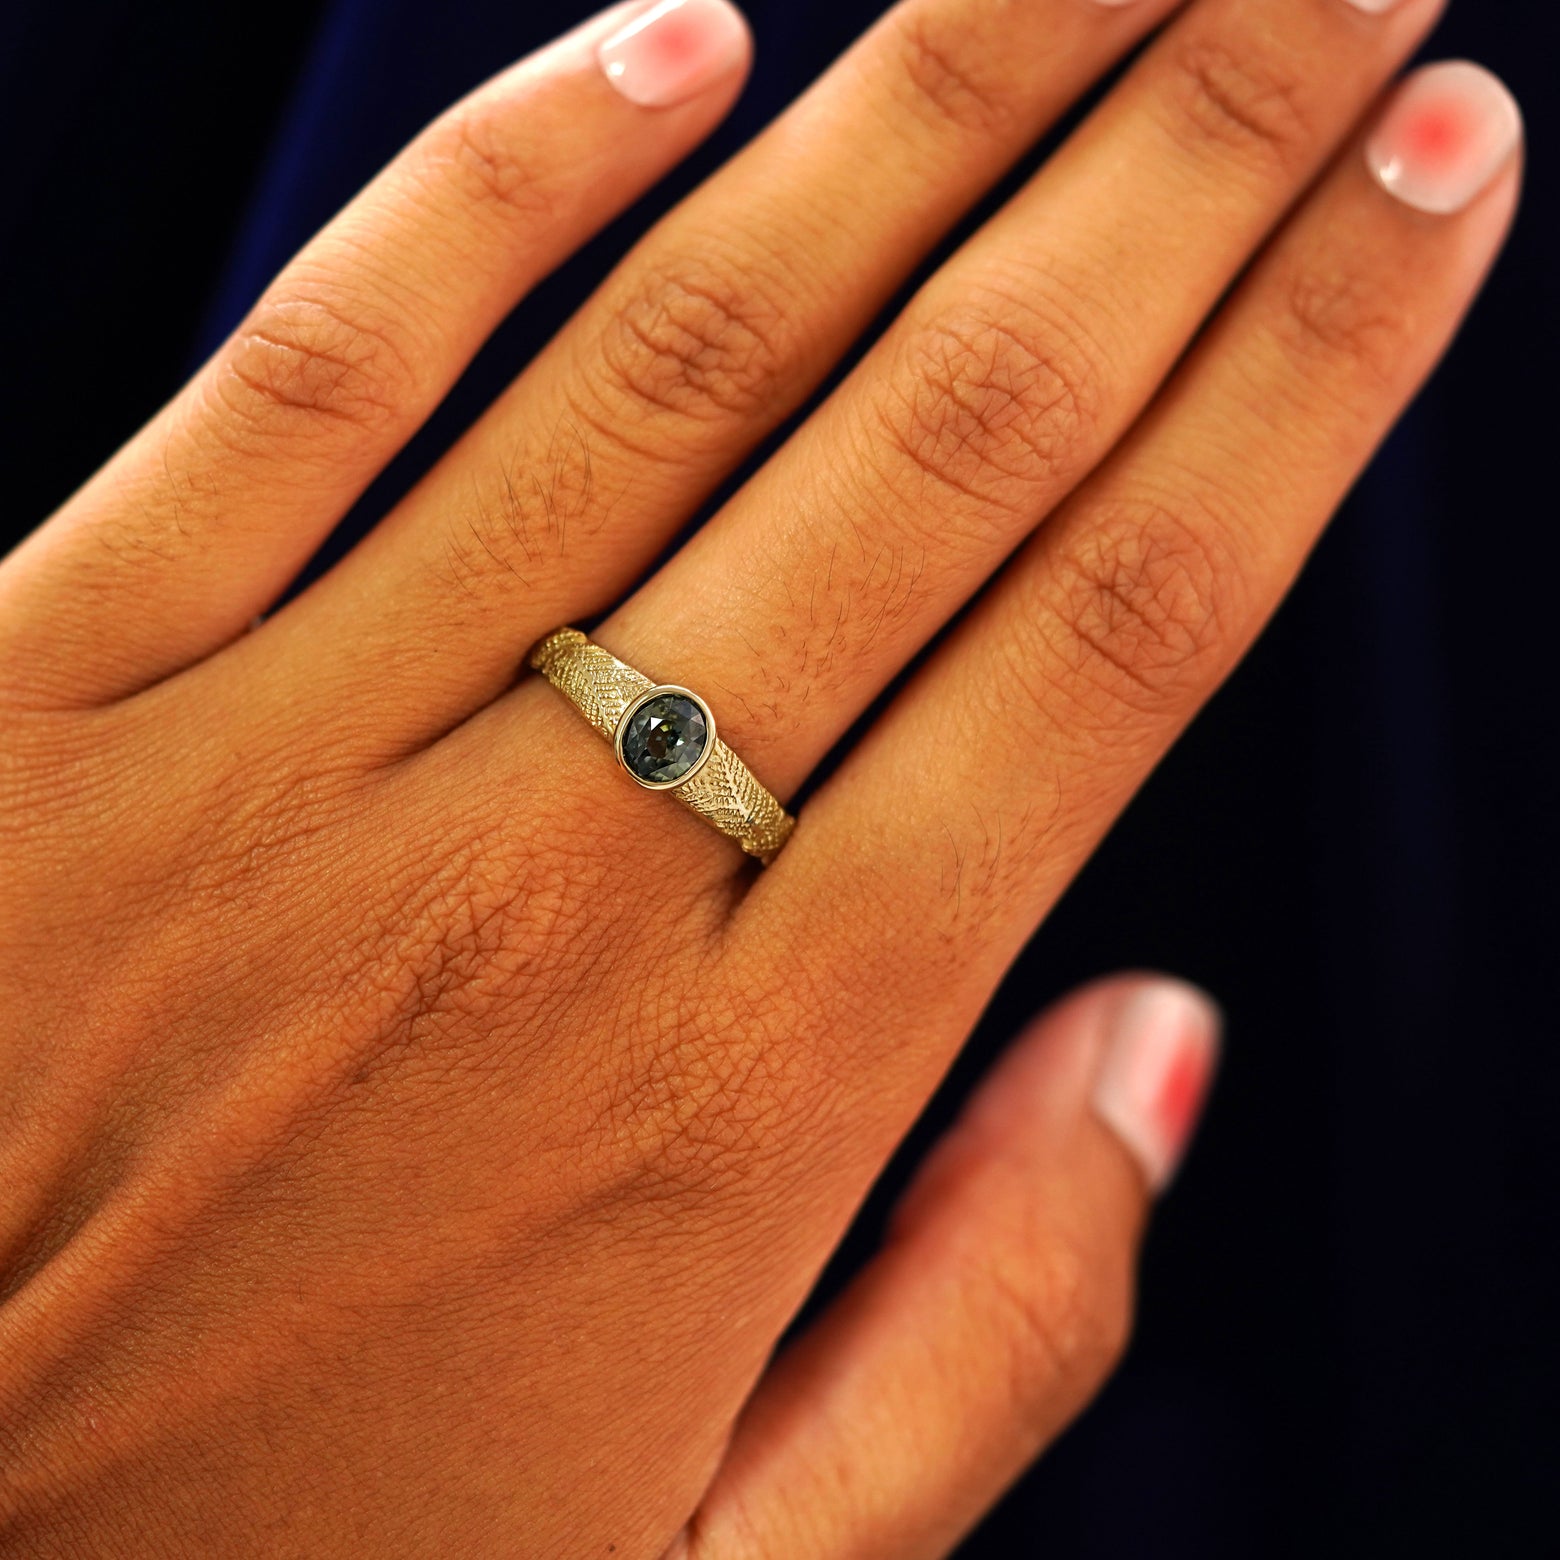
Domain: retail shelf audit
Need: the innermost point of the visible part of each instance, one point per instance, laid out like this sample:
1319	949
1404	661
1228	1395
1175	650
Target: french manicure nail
1444	137
673	51
1159	1058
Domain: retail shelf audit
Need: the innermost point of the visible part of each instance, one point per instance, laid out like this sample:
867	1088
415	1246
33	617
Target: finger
710	333
206	515
1008	378
959	821
999	1303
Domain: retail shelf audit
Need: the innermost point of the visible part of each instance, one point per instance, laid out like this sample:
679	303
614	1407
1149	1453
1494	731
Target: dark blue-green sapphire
666	736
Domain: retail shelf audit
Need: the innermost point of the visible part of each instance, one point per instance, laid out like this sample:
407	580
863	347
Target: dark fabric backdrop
1347	1342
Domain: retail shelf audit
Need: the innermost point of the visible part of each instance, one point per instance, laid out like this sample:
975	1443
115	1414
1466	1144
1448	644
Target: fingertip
1134	1053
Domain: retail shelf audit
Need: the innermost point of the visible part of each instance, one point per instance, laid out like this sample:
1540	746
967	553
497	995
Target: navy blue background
1347	1337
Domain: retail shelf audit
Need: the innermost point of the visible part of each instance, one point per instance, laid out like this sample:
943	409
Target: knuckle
1239	101
1062	1326
302	362
1145	601
479	154
991	401
703	342
951	80
1339	320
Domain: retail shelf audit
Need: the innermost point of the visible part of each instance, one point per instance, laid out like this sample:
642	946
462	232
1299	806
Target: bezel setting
662	690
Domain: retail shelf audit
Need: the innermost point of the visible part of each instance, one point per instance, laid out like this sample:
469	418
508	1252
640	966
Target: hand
416	1137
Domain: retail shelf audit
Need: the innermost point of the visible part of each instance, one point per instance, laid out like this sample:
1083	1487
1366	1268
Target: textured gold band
722	790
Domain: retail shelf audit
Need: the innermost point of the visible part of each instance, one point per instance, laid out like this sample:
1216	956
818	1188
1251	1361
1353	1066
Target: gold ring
664	737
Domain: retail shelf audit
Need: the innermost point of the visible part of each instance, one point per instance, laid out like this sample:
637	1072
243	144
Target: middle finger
1007	378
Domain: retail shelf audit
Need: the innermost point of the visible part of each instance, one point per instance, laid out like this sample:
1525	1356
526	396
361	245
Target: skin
413	1148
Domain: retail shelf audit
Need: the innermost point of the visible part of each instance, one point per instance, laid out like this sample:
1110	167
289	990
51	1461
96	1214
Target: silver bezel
634	708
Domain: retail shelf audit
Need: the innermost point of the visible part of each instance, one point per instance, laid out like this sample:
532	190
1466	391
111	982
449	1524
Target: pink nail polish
674	50
1159	1059
1448	132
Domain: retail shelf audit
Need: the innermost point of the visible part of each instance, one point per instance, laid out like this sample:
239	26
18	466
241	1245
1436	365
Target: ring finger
709	334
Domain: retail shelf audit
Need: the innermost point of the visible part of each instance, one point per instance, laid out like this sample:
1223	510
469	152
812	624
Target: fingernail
1159	1058
1373	7
1444	137
673	51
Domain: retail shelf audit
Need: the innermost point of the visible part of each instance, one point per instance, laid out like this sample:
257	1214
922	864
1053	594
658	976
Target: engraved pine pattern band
722	790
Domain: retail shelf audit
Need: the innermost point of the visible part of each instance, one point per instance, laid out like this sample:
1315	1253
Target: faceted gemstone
665	738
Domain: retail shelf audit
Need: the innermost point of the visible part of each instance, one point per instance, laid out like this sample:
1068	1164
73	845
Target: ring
664	737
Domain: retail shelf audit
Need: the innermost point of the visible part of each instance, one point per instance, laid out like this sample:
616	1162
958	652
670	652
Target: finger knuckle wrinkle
308	362
950	79
990	409
1144	598
701	343
1239	102
1339	319
1061	1324
483	156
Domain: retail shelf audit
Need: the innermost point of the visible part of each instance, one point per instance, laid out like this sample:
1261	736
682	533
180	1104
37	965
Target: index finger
202	520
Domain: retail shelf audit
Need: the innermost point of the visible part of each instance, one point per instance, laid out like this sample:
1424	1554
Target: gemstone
666	737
